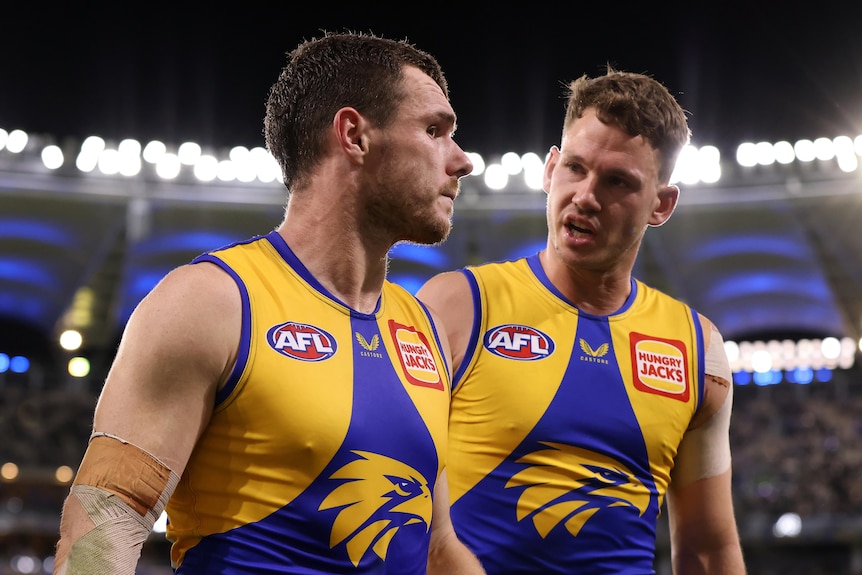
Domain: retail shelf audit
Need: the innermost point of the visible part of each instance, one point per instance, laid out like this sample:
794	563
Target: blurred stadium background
766	242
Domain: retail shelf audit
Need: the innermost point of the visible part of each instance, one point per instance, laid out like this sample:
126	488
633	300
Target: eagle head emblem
400	496
567	484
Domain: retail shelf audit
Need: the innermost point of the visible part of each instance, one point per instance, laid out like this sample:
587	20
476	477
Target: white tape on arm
705	450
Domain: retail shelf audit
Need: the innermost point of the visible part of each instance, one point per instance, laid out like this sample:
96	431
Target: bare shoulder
204	282
448	295
444	287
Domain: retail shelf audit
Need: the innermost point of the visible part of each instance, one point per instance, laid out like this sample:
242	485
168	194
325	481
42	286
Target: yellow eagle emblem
381	496
568	484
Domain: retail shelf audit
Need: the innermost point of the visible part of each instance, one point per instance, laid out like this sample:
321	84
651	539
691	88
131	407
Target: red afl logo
519	342
301	341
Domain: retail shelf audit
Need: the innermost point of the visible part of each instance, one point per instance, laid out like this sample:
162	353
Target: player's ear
667	198
350	127
550	163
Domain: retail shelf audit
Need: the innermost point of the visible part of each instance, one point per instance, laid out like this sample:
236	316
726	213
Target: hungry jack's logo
414	353
660	366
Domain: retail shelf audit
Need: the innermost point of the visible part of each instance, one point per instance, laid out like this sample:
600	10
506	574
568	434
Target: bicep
176	349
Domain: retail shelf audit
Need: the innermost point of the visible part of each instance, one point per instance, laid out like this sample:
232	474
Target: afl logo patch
301	341
520	342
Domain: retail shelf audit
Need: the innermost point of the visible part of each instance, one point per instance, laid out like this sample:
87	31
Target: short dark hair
638	104
325	74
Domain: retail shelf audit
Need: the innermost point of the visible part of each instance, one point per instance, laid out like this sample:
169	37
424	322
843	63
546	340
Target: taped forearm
119	492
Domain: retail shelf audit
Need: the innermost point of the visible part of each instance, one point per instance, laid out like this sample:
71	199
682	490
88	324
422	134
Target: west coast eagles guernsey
325	445
565	425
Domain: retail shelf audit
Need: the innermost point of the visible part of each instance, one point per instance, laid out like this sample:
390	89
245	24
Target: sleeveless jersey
326	443
564	425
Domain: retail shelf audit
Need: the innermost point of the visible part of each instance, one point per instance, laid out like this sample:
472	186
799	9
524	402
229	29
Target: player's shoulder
443	282
200	291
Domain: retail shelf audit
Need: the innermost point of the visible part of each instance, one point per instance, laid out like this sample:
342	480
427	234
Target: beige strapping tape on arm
122	517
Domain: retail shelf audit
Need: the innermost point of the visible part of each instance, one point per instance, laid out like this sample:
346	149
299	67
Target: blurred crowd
798	449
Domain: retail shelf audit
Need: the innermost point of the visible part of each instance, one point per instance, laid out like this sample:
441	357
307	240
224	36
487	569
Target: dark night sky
185	71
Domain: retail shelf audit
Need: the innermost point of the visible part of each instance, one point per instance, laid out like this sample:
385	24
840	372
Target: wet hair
325	74
638	104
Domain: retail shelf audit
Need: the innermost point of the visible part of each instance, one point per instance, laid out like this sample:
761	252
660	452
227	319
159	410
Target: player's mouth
573	229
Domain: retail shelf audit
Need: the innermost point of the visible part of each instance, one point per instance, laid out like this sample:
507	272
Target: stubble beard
408	217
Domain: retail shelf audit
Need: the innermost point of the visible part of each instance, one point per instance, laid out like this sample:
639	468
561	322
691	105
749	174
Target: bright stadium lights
265	166
9	471
153	151
52	157
19	364
168	166
79	367
109	162
88	157
823	149
245	170
788	525
697	165
845	154
71	339
784	152
765	153
745	154
129	152
226	171
709	164
791	359
478	163
805	150
246	165
238	153
511	162
534	170
496	177
206	168
129	148
64	474
17	141
188	153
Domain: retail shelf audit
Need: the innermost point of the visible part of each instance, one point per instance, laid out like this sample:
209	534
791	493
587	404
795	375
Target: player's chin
435	232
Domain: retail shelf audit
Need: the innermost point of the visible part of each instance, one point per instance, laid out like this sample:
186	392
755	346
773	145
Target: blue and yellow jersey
565	425
325	445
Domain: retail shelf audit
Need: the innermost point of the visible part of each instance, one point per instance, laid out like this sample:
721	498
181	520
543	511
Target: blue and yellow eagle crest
402	497
568	484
